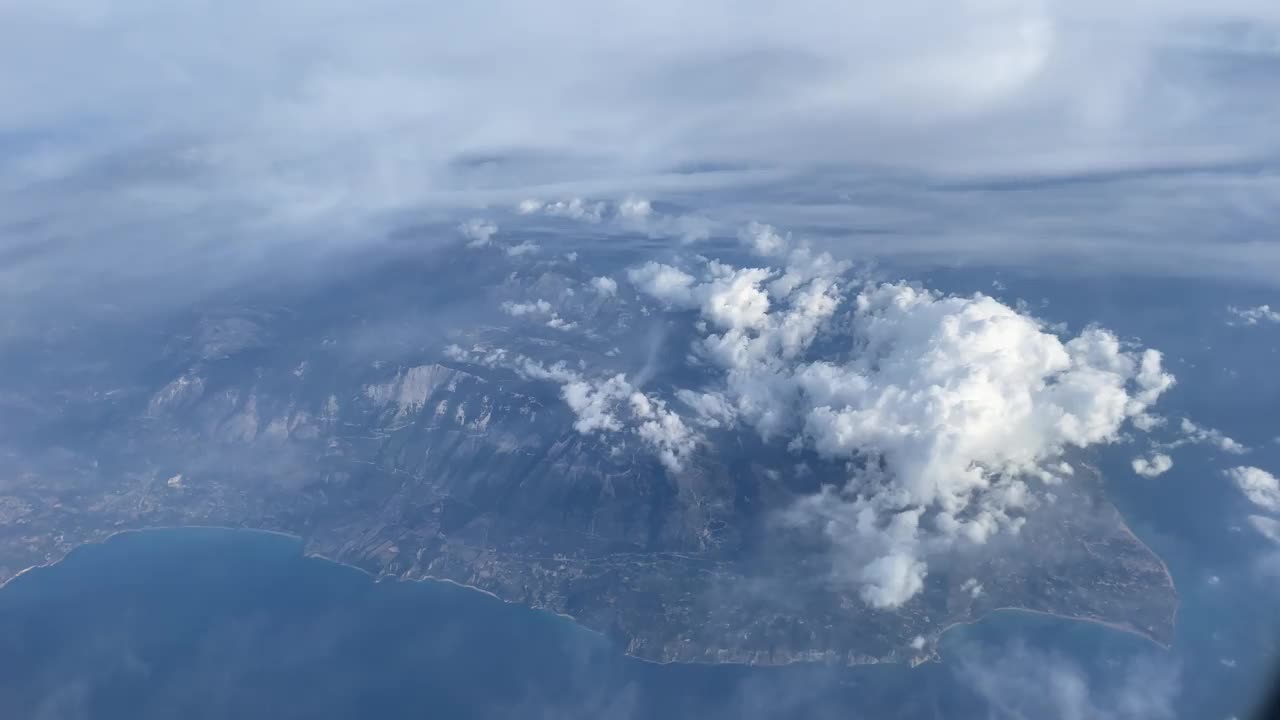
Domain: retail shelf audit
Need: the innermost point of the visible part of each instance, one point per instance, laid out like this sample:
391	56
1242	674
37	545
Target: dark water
216	623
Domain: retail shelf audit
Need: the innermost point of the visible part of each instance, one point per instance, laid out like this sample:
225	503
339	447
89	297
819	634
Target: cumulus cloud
527	247
1259	486
711	409
1154	466
763	239
594	403
636	214
537	307
662	429
634	208
1253	315
972	586
1197	434
952	413
663	282
556	322
604	286
573	208
609	405
685	228
950	406
477	232
1268	527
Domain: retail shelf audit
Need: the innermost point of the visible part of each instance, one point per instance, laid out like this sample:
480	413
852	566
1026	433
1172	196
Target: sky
146	141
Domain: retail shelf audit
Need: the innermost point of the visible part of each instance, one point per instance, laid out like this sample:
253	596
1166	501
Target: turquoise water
233	624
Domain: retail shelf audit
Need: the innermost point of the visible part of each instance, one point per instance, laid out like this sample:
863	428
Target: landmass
334	417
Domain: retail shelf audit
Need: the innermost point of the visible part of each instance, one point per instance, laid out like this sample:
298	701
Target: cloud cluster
1259	486
952	413
340	122
527	247
478	232
1154	466
1193	433
763	239
816	81
573	209
631	214
1267	527
609	405
1253	315
950	406
515	309
604	286
538	308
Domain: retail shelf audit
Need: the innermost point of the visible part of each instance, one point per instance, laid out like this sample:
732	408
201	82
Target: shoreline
910	662
1117	627
1164	566
152	528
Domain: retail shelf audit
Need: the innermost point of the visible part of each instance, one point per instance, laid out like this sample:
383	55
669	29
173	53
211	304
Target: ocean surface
203	623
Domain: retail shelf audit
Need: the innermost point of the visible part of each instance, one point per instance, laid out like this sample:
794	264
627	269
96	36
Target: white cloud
663	430
556	322
634	208
1261	487
614	405
477	232
664	282
1253	315
973	587
529	207
962	84
609	405
604	286
637	215
326	113
536	308
1193	433
573	208
712	409
1267	526
733	299
763	239
951	412
525	248
594	403
959	399
515	309
1155	466
1146	422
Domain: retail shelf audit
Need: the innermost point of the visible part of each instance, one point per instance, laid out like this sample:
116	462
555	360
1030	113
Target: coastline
1128	630
1164	566
911	662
